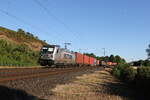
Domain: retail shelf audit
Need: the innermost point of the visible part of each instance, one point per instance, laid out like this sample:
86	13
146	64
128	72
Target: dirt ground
100	85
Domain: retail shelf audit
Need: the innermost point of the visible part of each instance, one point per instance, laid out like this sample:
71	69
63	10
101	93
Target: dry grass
97	86
10	36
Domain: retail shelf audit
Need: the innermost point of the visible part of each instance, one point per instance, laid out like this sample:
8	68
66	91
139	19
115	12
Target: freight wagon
86	60
91	61
79	58
97	62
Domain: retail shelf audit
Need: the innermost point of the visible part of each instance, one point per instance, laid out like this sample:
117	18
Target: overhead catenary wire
37	28
55	17
16	18
20	20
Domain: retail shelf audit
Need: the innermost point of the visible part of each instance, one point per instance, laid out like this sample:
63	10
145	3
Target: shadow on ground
121	89
15	94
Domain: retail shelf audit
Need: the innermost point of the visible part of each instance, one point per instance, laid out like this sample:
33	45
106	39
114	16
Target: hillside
19	48
21	37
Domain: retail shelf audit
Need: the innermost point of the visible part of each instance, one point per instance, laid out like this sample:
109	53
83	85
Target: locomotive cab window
67	56
50	49
70	56
47	50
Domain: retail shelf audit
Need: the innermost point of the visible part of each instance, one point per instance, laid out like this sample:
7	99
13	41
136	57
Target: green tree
112	58
21	31
90	54
106	58
123	61
118	59
146	63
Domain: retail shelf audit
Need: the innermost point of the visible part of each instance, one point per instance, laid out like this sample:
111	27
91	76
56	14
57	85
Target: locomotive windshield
47	50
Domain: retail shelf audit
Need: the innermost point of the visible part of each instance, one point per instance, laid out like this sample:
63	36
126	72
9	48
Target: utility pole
66	45
104	51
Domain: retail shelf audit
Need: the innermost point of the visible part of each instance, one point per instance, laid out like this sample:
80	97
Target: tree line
116	59
145	62
137	77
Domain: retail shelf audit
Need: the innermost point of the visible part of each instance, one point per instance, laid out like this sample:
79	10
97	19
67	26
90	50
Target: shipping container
86	60
79	58
109	63
114	64
98	62
91	60
103	63
95	62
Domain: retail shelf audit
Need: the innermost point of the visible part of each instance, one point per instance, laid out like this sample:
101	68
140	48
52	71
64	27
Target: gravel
40	87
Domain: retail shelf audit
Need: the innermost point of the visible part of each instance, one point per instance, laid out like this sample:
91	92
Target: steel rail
37	75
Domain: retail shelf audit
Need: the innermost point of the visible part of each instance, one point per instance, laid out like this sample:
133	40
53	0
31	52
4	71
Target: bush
16	55
140	78
125	72
129	73
116	72
144	72
143	79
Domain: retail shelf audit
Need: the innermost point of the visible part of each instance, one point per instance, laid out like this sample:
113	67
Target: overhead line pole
66	45
104	51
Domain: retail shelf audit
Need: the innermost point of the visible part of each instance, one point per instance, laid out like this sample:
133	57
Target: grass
100	85
19	48
17	55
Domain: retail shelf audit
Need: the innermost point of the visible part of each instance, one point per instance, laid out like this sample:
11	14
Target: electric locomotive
55	55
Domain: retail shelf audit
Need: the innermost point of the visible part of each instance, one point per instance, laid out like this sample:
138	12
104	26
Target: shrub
143	79
16	55
129	73
144	72
118	70
125	72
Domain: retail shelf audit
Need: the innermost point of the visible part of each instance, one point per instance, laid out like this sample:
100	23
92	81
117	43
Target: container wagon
86	60
79	58
97	62
91	61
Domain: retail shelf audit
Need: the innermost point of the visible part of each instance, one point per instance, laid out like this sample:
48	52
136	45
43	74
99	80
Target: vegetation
148	51
138	78
117	59
145	63
22	37
143	79
100	85
125	72
16	55
19	48
91	55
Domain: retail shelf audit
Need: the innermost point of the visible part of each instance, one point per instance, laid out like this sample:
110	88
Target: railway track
19	74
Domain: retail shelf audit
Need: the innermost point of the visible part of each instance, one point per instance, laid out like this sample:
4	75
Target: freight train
55	55
104	63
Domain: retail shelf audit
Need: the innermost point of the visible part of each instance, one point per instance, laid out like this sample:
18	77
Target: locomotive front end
47	55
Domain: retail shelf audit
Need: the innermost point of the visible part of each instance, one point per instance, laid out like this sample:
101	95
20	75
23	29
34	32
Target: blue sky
120	26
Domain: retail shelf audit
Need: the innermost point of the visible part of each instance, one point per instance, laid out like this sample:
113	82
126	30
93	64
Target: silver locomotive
54	55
